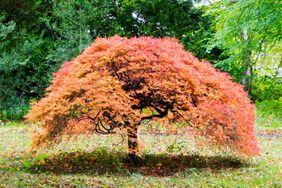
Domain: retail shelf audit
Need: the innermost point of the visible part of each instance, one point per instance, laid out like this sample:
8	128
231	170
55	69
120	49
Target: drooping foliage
110	84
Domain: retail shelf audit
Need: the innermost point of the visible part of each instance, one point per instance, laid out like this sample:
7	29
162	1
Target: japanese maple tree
116	81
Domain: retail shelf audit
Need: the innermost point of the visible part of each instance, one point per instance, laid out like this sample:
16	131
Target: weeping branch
99	125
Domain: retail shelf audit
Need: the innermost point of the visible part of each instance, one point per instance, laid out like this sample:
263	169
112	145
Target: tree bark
247	72
247	66
133	149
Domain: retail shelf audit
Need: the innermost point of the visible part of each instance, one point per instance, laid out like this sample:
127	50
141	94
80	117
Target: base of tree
133	159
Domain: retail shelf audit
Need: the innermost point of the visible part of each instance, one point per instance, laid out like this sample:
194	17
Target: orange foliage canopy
111	83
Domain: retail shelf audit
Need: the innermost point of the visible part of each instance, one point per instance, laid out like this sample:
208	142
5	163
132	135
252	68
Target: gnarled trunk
133	149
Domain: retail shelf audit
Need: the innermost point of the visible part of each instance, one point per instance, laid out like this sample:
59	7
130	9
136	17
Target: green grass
269	114
168	161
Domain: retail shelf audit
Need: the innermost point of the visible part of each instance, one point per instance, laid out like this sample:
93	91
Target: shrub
269	114
267	88
110	84
14	110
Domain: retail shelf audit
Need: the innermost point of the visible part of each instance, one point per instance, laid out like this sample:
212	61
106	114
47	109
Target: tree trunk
133	149
247	66
247	72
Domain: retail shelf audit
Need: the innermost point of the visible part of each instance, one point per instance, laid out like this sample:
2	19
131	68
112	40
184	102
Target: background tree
247	31
115	81
37	36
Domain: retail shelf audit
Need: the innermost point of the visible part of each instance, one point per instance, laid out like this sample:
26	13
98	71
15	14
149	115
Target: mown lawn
168	161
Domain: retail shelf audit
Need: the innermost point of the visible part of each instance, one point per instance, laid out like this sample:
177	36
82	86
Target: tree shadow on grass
101	161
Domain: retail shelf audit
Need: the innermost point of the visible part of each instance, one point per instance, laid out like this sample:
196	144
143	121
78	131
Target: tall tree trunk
247	67
133	149
247	72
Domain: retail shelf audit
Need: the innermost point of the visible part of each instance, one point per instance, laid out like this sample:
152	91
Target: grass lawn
169	161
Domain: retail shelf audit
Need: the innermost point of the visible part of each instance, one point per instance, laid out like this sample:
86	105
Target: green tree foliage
37	36
247	30
76	23
14	15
